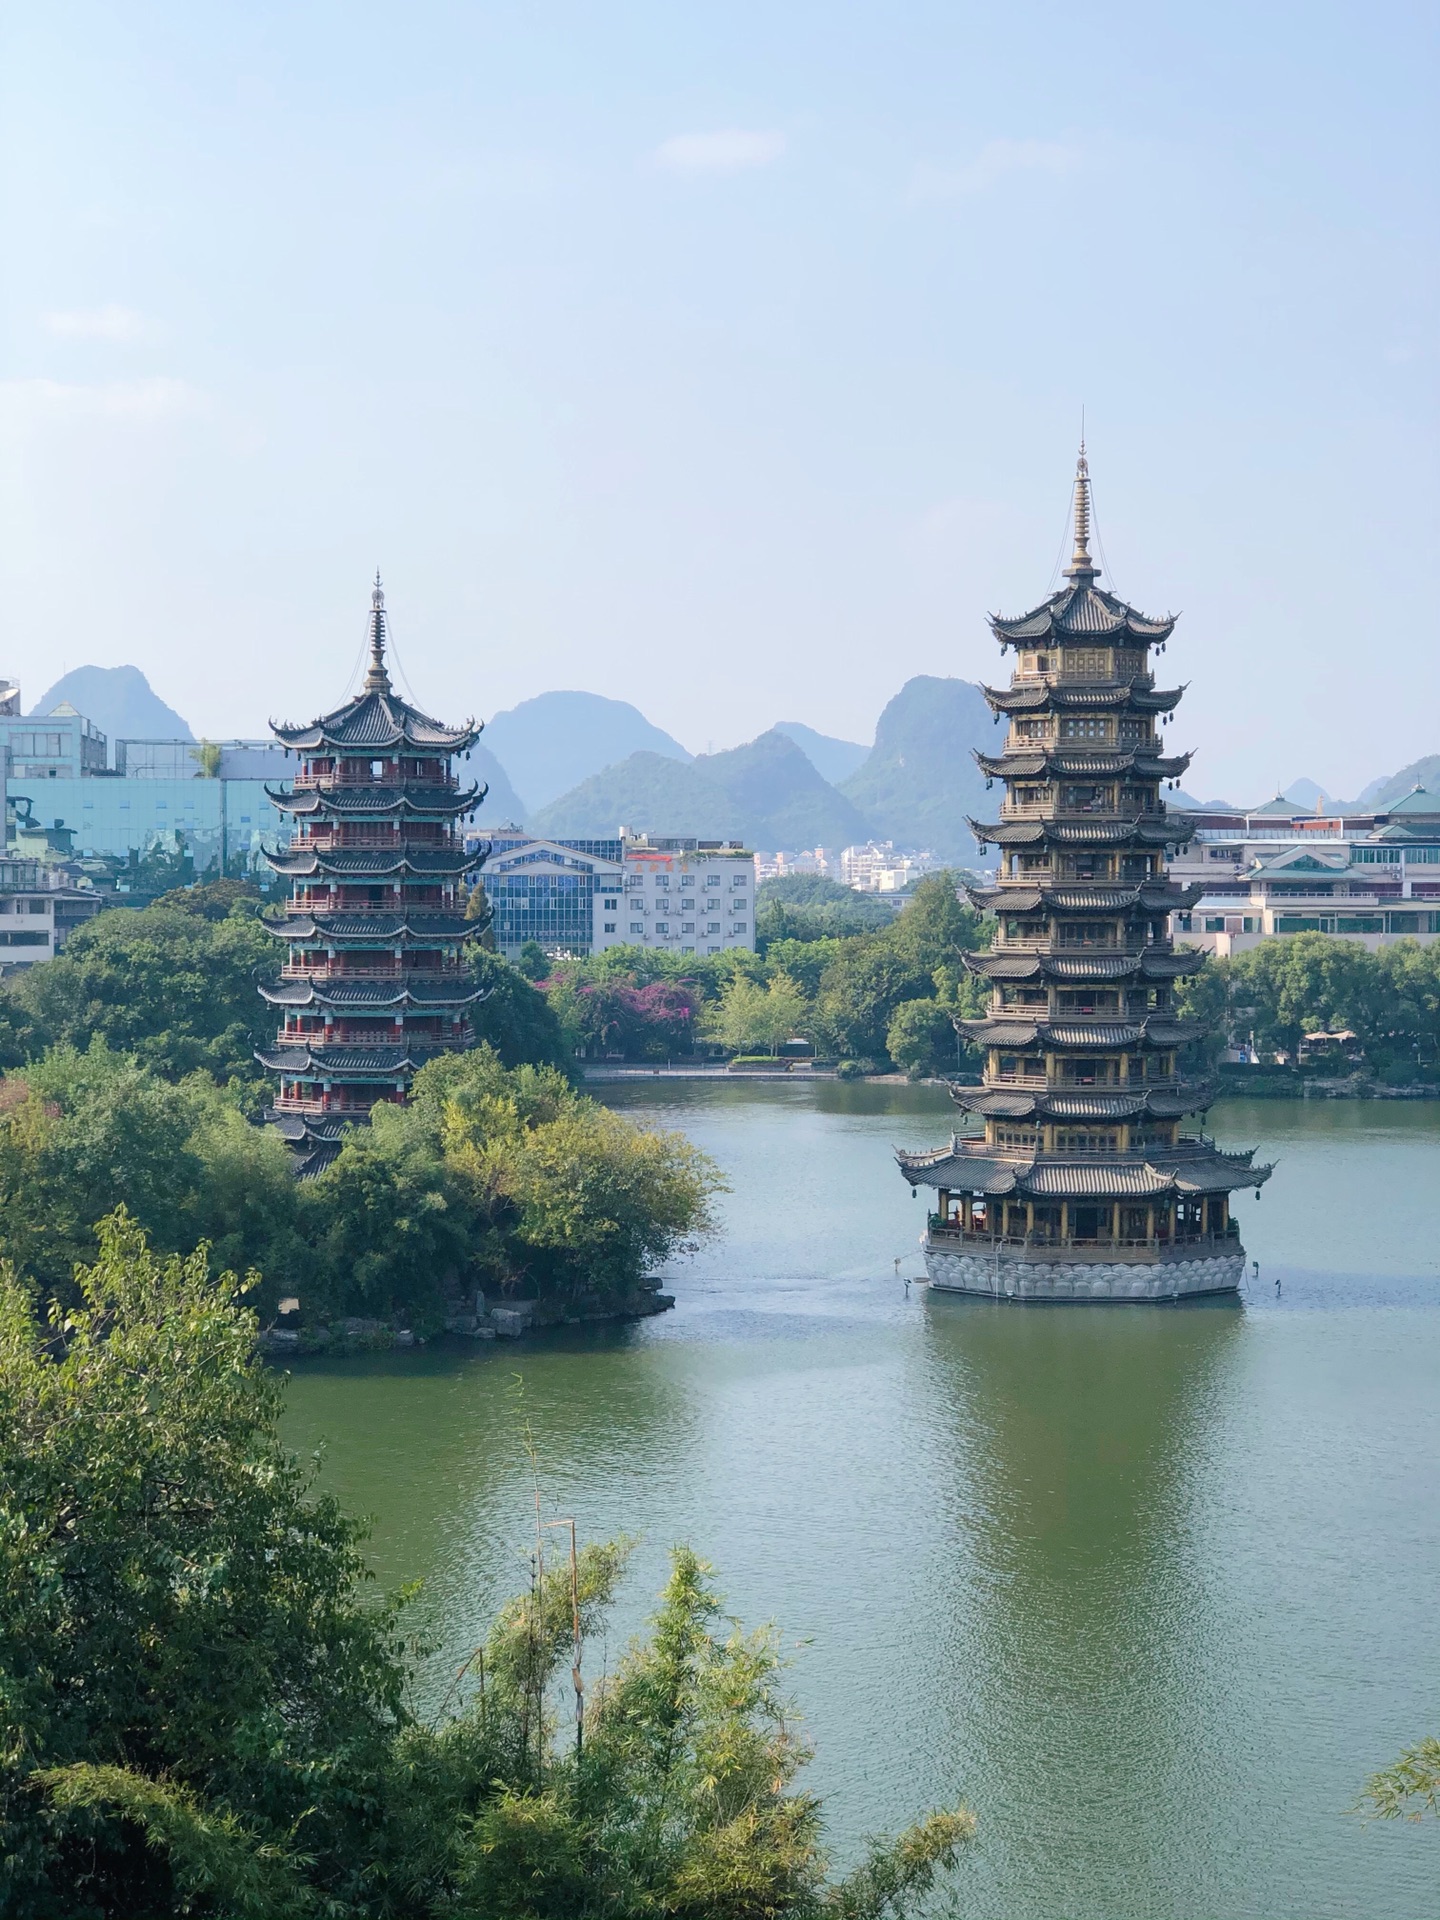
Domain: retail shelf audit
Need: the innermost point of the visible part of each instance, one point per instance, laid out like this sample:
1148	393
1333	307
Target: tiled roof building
1082	1186
374	982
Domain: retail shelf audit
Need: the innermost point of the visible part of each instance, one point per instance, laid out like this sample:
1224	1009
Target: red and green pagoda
374	981
1082	1184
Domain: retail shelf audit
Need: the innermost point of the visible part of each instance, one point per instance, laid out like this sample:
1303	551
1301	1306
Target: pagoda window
1134	732
1087	663
1032	729
1087	866
1085	799
1086	1140
1029	863
1137	866
1089	933
1013	1136
1088	1000
1085	727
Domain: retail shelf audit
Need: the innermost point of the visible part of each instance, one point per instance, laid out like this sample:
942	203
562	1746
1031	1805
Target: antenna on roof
377	680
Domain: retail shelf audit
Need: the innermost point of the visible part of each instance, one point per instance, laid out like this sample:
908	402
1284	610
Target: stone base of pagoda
1098	1277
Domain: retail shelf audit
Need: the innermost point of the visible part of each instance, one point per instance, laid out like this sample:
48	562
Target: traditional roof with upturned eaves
377	803
1078	762
1044	696
377	720
1191	1167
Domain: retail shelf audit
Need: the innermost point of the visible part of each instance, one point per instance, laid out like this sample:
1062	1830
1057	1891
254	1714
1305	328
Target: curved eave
1001	1103
1153	1033
343	930
1087	968
1172	830
355	865
1043	696
1079	763
1201	1171
1079	614
365	996
376	803
341	1062
1161	897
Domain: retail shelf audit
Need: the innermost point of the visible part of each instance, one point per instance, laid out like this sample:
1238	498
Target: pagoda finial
377	680
1081	566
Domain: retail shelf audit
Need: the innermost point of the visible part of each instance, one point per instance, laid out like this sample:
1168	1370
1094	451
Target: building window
608	927
688	927
637	926
712	879
712	926
611	905
687	879
662	926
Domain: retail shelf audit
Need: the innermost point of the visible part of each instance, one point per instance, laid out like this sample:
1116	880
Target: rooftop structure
1370	877
373	983
1081	1186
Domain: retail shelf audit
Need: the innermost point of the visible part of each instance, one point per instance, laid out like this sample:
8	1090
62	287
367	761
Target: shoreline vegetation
206	1715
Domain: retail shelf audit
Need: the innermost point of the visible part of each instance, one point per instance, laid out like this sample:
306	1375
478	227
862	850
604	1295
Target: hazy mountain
649	792
120	701
502	803
1392	787
551	743
1305	793
919	782
781	797
766	793
832	759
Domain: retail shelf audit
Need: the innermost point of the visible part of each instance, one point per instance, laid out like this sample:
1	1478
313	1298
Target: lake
1151	1588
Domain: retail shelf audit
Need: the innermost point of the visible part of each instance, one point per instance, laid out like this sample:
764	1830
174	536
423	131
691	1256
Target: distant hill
550	744
782	798
832	759
766	793
649	792
919	782
120	701
1387	790
502	803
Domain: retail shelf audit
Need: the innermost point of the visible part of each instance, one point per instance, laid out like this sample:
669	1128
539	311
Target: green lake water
1151	1588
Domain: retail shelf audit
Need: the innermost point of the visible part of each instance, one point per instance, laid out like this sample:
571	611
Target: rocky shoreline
476	1319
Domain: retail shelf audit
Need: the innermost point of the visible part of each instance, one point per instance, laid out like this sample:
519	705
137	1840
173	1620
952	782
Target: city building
878	867
681	896
374	982
550	891
576	897
809	860
1082	1186
62	745
38	910
1371	877
222	824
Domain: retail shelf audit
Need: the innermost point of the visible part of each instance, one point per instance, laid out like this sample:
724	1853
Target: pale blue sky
726	359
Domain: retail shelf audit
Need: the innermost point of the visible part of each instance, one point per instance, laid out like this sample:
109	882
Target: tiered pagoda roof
1085	1080
373	985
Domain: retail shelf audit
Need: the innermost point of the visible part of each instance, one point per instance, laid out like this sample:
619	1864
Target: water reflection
1073	1611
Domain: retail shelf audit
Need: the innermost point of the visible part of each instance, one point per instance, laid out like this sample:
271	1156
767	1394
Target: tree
754	1019
203	1716
168	983
515	1018
207	756
1409	1789
532	961
921	1038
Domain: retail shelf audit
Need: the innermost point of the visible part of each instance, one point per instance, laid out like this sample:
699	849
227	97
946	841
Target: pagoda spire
1082	567
377	680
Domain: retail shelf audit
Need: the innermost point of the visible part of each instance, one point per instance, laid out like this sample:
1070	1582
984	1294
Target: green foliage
807	907
202	1717
1410	1788
169	1598
1314	982
532	961
749	1018
521	1024
170	983
921	1038
83	1133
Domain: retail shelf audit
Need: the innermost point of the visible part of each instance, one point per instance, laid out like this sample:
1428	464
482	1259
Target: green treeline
130	1082
202	1715
855	979
1315	983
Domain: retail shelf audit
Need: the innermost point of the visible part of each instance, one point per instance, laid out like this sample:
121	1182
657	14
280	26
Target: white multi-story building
1369	877
680	896
878	867
581	896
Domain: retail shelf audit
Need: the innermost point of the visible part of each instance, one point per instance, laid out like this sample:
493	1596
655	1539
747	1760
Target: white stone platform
1015	1274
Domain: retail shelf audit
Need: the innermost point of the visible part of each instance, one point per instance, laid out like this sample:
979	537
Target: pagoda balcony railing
397	970
1037	1083
319	782
339	842
388	1036
951	1233
327	1103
